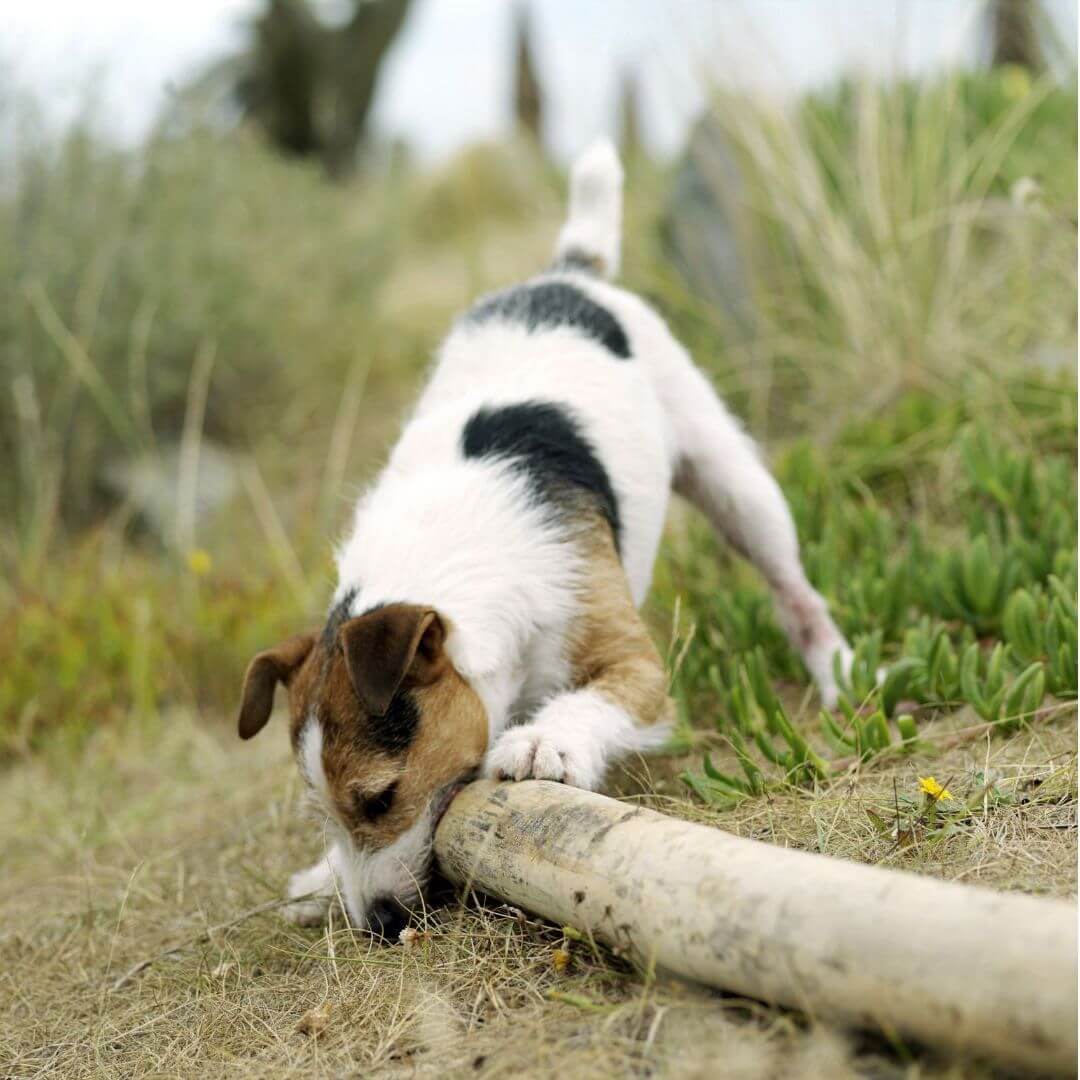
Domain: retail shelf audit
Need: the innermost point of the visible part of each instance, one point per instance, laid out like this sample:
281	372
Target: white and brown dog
485	618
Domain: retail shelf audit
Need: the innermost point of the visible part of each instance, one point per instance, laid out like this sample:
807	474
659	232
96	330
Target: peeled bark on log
963	968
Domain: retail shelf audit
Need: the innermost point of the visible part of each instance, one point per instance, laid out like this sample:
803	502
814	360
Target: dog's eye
374	806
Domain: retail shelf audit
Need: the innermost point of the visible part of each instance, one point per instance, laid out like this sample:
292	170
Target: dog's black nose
386	918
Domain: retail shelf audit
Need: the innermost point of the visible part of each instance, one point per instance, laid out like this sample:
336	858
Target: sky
447	79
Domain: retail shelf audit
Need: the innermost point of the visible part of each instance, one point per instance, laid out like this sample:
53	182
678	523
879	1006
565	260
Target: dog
485	620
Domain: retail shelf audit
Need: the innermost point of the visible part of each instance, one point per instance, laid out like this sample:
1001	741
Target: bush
126	264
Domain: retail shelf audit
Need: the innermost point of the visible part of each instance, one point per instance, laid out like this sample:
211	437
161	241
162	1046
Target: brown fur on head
398	722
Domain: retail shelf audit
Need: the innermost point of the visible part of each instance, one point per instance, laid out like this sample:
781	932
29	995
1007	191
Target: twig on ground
205	935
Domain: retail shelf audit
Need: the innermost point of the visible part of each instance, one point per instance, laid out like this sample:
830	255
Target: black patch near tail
545	443
575	260
550	304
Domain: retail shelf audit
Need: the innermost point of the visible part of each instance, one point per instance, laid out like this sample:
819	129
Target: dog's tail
590	239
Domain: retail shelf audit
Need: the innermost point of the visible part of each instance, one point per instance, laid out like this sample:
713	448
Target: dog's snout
386	918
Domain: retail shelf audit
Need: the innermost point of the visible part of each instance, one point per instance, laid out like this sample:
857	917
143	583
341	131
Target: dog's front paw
536	752
313	912
308	909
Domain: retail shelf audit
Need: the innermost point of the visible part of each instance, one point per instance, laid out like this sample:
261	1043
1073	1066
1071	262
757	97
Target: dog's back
486	611
539	420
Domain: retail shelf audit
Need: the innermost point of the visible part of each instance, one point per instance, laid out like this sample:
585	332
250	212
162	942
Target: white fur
358	876
594	223
398	870
573	739
317	885
311	762
466	538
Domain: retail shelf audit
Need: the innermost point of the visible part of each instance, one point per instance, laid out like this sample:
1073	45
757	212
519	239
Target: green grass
900	373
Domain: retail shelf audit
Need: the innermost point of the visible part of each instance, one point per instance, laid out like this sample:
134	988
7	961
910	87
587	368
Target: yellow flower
199	562
934	789
560	961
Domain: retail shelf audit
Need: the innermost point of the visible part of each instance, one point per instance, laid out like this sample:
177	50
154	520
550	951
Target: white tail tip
592	233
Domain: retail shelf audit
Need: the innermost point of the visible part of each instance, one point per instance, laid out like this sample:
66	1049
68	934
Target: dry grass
89	890
1019	834
147	834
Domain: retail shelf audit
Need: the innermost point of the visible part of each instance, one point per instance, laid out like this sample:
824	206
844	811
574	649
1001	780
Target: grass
897	372
157	833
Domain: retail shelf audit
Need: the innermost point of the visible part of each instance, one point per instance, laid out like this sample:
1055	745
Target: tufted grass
132	821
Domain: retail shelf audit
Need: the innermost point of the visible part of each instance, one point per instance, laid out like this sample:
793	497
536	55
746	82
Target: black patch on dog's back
543	441
549	304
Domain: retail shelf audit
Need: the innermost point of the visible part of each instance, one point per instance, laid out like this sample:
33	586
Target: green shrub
125	264
107	632
976	606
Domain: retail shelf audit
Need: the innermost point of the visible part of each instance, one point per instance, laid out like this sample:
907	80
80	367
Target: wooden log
954	966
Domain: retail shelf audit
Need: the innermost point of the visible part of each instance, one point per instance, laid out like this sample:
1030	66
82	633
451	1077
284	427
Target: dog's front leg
619	702
314	890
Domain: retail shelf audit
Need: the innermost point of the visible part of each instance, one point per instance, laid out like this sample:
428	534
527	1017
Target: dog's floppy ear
393	646
264	672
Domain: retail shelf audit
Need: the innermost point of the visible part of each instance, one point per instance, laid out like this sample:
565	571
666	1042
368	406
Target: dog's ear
390	648
264	672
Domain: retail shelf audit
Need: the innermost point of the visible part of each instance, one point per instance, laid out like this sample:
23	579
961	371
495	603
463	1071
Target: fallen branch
964	968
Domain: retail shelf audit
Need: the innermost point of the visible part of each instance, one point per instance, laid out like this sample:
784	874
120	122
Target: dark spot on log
599	835
579	897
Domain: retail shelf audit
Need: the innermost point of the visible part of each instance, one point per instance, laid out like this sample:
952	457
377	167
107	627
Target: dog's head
382	725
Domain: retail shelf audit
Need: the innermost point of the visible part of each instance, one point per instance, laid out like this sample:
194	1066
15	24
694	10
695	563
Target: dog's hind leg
719	469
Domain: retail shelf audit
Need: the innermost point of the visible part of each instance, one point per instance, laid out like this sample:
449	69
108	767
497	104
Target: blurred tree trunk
629	117
310	87
528	100
280	89
356	52
1015	34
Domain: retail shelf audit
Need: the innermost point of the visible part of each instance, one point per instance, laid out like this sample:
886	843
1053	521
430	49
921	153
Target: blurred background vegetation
209	336
212	323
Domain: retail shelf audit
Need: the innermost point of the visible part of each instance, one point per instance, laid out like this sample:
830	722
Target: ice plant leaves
990	623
